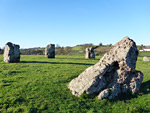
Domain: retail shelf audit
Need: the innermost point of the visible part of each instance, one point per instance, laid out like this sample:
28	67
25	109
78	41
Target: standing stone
89	53
146	59
113	75
50	51
11	53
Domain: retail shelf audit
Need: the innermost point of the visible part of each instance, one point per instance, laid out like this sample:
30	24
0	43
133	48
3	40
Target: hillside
76	50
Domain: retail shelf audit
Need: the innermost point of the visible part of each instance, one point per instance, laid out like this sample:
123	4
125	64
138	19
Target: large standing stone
11	53
146	59
114	74
89	53
50	51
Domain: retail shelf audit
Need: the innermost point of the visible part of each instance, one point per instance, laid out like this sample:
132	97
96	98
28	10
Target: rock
50	51
113	75
11	53
146	59
89	53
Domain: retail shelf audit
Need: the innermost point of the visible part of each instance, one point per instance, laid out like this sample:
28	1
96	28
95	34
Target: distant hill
76	50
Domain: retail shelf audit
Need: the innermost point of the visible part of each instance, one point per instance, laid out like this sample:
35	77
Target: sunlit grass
38	84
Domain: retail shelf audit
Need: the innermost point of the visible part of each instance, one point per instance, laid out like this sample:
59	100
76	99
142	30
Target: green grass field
39	85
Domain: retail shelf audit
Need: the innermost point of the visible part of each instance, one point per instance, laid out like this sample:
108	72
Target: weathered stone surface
89	53
11	53
50	51
114	74
146	59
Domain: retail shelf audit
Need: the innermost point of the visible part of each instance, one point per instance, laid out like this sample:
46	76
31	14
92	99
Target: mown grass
142	54
38	84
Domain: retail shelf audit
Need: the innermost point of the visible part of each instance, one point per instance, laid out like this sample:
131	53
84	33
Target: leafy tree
100	44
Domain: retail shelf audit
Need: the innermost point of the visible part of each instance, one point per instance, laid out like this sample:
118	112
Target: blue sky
36	23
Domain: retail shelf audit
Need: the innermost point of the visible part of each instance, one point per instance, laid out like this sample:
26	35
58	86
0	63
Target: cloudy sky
36	23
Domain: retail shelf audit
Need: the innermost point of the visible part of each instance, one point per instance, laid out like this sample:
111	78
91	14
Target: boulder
89	53
113	75
11	53
50	51
146	59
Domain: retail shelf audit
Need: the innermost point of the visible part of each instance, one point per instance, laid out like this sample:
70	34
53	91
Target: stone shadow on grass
144	89
72	58
125	98
55	62
80	58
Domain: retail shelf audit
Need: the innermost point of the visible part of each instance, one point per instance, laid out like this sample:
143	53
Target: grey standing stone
50	51
113	75
11	53
89	52
146	59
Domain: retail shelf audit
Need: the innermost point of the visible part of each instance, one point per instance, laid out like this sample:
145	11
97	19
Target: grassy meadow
39	85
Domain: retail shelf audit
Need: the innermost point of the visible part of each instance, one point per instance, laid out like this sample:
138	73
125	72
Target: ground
38	84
